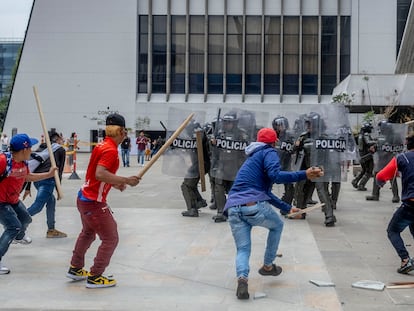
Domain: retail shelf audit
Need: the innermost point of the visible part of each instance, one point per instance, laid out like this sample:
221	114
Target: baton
165	146
200	156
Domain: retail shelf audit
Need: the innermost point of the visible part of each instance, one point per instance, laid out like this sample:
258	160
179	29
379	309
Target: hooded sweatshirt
257	175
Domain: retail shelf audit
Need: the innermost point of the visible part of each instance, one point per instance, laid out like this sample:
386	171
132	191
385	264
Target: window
234	54
310	55
272	55
159	54
197	54
143	54
329	54
253	54
291	55
178	54
215	54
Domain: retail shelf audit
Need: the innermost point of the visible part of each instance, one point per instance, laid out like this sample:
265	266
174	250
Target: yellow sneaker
99	281
53	233
77	274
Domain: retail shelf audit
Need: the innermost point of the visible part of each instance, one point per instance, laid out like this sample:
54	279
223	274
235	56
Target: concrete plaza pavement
168	262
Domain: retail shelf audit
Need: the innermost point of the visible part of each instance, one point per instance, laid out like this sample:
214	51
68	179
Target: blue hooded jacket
256	176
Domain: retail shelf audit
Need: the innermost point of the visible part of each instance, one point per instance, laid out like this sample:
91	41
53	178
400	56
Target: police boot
395	196
201	203
355	182
219	218
330	221
375	193
363	182
190	213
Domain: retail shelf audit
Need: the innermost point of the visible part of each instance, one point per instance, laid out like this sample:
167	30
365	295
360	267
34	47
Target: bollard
74	175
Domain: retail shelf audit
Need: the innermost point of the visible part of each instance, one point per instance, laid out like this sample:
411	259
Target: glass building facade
235	54
9	51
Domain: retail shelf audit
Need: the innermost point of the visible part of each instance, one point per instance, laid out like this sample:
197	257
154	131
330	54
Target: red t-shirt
11	186
106	155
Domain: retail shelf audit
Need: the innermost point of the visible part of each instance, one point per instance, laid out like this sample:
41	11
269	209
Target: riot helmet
314	123
385	128
229	120
280	124
366	128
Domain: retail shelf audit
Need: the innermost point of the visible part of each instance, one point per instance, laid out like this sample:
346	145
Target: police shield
180	159
329	143
233	132
286	140
390	142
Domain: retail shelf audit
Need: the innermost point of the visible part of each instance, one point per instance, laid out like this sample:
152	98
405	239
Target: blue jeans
44	197
402	218
141	156
242	219
125	156
15	220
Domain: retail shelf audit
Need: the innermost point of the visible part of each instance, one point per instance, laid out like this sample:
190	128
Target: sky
14	15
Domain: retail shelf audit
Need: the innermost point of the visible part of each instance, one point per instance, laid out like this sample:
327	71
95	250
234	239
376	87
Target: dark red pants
96	219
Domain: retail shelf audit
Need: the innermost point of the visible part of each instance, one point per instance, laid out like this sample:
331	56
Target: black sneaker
242	289
372	198
77	274
99	281
407	267
275	271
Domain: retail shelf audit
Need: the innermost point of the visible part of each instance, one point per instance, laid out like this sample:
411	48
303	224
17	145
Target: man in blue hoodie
250	201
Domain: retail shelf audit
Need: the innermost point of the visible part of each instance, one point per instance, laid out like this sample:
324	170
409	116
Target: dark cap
115	119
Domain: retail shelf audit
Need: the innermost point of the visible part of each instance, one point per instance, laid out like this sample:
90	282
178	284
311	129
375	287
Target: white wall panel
216	7
291	7
376	36
81	56
197	7
329	7
310	7
345	7
235	7
143	6
273	7
178	7
159	7
254	7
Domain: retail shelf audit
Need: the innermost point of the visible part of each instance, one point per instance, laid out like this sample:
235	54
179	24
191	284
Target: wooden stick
400	286
305	210
200	156
165	146
48	144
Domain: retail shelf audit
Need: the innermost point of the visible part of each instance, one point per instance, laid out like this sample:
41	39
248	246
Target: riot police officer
365	146
284	147
189	186
315	129
227	156
389	143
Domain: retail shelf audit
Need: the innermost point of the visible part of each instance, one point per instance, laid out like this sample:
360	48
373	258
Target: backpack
8	169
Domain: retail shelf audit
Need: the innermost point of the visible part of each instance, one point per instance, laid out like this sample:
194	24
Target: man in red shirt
95	213
404	216
13	213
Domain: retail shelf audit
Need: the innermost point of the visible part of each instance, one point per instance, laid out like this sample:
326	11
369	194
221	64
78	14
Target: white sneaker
3	269
26	240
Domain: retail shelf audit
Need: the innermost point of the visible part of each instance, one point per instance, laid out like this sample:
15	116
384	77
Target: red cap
266	135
